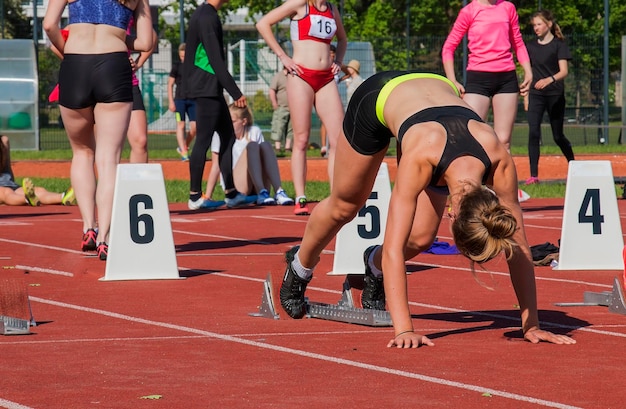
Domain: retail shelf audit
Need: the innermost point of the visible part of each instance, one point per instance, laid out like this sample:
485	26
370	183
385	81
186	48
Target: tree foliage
385	21
13	21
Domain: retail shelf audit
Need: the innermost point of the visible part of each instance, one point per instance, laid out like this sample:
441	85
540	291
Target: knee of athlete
342	212
416	245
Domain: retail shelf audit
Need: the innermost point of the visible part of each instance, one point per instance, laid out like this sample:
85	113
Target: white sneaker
195	205
264	198
282	198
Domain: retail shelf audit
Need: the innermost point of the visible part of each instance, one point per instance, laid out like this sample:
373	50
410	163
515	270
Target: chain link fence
252	64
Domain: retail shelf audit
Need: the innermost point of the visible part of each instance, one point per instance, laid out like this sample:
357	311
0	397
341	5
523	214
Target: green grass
178	190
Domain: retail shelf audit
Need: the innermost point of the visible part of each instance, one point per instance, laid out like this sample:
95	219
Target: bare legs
345	200
113	121
504	112
138	137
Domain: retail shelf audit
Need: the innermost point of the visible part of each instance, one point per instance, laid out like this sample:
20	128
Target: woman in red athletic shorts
310	82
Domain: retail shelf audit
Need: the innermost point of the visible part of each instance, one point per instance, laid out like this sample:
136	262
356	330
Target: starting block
344	311
366	229
591	235
13	326
267	309
613	299
141	243
16	316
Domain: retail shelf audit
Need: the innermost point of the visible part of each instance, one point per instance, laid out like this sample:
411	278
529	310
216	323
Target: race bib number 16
322	27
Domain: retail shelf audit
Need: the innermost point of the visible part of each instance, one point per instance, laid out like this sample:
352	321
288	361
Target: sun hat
354	64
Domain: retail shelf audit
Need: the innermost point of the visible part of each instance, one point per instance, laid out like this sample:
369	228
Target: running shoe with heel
292	288
282	198
68	198
531	180
212	204
184	155
373	295
195	204
264	198
89	240
239	200
301	208
29	192
103	251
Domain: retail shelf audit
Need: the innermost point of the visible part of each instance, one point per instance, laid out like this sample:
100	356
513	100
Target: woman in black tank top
443	145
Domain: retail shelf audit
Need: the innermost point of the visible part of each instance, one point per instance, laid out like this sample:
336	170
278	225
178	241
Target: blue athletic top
110	12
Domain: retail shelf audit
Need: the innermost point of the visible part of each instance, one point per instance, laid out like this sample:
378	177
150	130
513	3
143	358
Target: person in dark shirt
206	77
182	106
548	58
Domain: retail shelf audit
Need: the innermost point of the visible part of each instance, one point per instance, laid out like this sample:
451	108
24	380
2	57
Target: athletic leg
556	113
330	110
138	136
353	180
113	120
79	126
536	107
504	112
300	96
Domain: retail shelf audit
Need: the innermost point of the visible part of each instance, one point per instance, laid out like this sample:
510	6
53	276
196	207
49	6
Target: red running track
192	344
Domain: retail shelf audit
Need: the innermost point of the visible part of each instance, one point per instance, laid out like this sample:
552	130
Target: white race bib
322	27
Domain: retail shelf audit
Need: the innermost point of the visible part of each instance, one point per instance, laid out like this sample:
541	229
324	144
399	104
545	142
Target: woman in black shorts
446	148
95	87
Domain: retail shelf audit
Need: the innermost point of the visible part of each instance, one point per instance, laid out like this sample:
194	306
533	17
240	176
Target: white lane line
312	355
41	246
12	405
44	270
417	304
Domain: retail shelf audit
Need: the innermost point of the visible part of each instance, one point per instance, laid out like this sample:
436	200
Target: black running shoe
103	251
373	296
292	289
89	240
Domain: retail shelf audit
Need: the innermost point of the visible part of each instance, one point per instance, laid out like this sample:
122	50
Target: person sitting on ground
13	194
447	151
255	167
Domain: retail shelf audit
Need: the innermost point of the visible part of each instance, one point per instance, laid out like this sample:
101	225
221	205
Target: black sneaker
373	296
292	289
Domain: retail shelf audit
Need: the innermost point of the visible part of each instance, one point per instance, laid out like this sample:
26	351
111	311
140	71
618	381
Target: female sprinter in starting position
446	149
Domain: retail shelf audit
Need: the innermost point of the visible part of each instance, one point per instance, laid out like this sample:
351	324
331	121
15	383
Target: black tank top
459	141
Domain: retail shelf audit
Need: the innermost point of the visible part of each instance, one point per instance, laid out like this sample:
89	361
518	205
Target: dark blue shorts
185	107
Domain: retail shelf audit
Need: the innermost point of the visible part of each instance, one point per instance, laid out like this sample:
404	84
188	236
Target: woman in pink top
492	28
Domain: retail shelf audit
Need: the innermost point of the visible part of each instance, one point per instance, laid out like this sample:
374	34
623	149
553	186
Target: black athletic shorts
491	83
138	99
87	79
365	133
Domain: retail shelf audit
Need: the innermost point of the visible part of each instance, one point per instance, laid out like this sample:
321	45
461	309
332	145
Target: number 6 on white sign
141	244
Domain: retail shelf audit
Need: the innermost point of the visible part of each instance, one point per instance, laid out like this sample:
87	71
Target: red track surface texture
192	344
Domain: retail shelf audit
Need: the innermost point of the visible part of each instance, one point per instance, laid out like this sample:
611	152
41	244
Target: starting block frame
614	299
344	311
14	326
